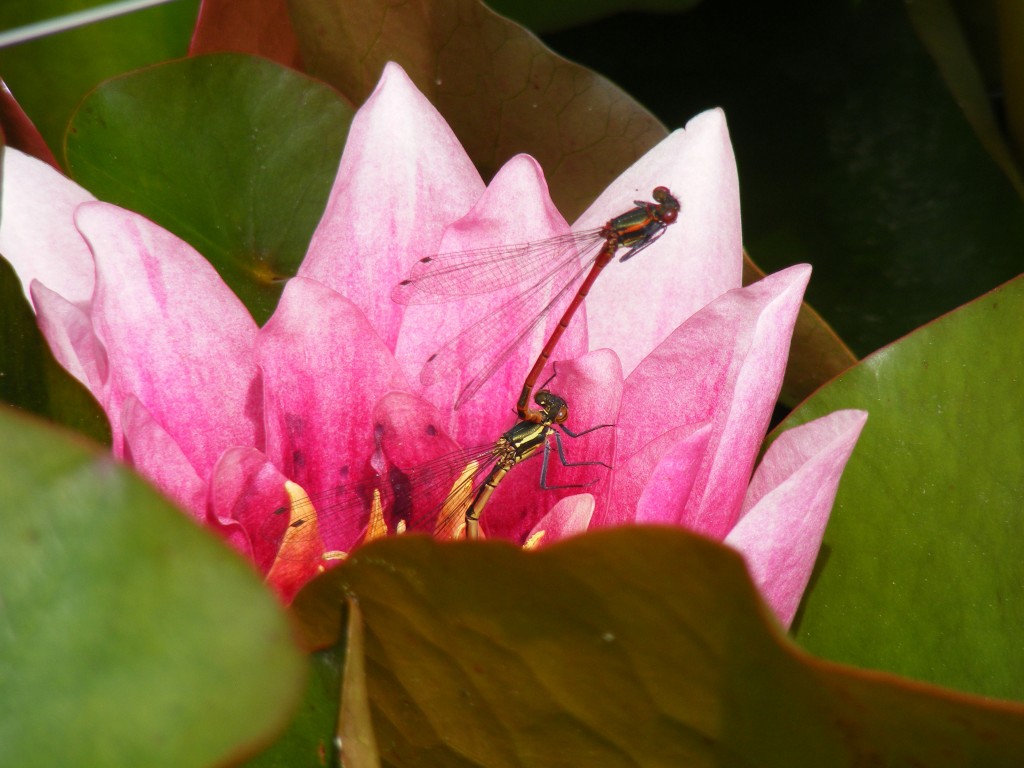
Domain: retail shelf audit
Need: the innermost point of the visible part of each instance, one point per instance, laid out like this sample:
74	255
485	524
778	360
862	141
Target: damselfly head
554	408
668	205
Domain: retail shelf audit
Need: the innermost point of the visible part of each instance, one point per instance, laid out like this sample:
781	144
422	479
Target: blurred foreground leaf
922	571
128	636
234	154
637	646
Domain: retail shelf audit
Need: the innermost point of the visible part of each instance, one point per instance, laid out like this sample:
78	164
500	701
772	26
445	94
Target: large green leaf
638	646
234	154
853	155
30	378
922	570
50	76
128	636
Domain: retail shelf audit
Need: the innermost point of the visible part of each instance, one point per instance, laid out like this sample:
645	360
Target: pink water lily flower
228	419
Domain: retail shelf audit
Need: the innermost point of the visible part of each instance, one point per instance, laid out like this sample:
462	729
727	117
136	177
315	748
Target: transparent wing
441	278
484	347
416	498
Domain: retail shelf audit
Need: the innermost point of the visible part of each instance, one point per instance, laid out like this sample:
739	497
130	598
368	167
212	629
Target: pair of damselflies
559	273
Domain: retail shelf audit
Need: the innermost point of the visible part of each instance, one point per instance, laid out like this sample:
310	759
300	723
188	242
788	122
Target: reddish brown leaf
501	90
261	27
19	131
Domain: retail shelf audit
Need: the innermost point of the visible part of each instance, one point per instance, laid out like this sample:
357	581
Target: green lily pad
30	378
128	636
50	75
636	646
922	569
234	154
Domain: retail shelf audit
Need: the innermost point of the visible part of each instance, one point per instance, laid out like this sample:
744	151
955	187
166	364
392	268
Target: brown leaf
501	90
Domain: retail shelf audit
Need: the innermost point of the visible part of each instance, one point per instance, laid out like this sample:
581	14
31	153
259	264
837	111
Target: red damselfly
444	497
559	273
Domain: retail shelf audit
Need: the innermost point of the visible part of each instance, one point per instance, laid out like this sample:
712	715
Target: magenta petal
635	306
788	505
177	338
403	178
410	431
569	517
724	365
68	330
158	458
324	368
415	459
514	209
245	489
36	228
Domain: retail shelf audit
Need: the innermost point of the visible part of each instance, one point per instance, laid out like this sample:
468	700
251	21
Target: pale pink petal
634	306
788	504
36	231
158	458
176	337
403	178
569	517
68	331
244	490
324	369
654	484
514	209
668	488
724	365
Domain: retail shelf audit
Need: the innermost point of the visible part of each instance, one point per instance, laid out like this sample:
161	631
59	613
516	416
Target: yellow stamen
377	528
451	519
534	540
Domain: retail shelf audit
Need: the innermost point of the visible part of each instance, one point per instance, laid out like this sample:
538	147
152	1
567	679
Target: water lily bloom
233	421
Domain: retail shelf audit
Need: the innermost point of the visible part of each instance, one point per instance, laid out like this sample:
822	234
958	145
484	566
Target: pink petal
569	517
177	338
788	504
68	331
36	231
654	484
514	209
158	458
635	306
244	490
324	368
403	178
724	365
